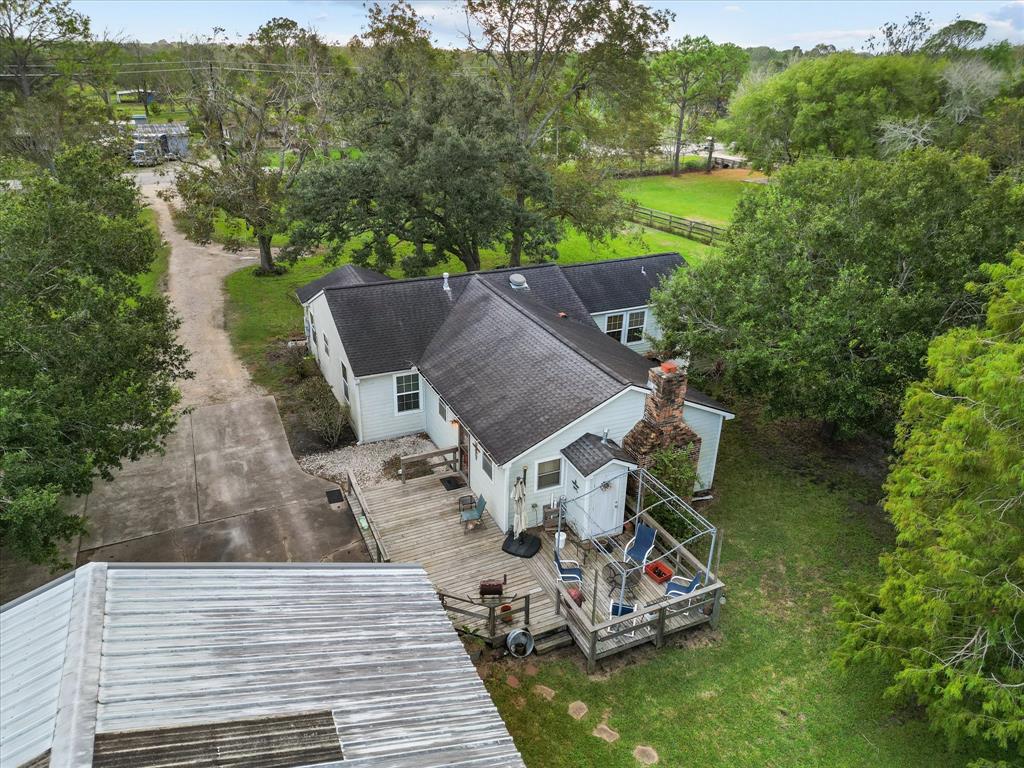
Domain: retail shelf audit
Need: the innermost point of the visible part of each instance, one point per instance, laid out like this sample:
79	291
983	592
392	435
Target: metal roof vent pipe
518	282
604	438
445	283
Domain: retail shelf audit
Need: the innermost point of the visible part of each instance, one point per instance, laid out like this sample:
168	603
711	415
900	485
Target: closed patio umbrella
519	507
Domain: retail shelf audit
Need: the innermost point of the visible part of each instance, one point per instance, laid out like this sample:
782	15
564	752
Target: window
344	379
327	347
485	462
613	326
635	328
549	474
441	410
407	392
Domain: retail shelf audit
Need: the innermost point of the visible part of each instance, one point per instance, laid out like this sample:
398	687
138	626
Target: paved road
227	488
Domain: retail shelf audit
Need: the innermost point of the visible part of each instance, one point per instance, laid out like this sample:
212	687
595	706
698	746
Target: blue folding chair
474	514
568	573
640	546
676	588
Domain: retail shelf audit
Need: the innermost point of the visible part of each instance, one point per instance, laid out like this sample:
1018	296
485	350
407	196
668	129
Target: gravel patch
366	462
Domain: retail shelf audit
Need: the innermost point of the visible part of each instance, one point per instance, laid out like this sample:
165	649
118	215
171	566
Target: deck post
716	608
593	605
659	632
526	611
558	601
592	653
492	629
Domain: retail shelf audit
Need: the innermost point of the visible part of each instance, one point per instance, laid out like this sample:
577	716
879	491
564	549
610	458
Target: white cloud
834	36
732	9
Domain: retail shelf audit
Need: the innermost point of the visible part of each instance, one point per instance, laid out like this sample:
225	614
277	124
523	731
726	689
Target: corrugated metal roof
33	637
204	645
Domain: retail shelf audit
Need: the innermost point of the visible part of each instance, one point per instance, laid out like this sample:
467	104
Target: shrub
321	411
676	468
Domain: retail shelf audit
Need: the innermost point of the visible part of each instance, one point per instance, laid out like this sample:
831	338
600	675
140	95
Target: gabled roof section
621	283
509	375
347	274
589	453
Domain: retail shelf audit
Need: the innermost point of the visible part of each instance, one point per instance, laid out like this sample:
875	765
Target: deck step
551	641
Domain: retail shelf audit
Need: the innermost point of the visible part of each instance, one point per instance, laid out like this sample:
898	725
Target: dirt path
195	283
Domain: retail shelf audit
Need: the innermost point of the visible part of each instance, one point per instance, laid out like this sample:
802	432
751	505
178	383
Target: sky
779	24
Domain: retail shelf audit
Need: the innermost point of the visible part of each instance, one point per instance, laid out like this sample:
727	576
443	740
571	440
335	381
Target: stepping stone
513	681
544	692
645	755
602	731
519	702
531	670
577	710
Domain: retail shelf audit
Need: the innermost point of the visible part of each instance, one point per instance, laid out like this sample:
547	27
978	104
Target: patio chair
618	610
569	571
475	515
675	587
640	546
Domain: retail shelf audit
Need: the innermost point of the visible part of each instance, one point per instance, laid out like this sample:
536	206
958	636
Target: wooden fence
361	512
676	225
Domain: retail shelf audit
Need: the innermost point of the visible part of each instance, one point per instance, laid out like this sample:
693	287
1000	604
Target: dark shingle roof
588	453
348	274
511	379
620	283
698	397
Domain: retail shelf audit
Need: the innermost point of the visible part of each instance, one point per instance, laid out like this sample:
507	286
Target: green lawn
761	692
152	281
706	197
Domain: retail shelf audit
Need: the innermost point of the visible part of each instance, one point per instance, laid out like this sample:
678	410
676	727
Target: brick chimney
663	425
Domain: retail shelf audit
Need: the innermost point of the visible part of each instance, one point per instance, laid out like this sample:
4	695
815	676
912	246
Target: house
233	665
533	372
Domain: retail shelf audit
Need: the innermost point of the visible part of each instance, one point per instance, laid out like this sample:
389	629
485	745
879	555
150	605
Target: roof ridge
565	342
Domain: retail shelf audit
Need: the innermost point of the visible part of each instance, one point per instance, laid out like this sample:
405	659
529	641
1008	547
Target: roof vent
518	282
445	283
643	270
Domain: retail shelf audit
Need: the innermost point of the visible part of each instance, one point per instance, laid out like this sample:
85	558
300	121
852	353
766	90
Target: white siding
709	426
331	358
651	327
492	489
380	421
441	431
618	416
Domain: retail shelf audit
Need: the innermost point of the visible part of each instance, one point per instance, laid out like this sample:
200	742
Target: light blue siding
709	427
651	327
618	416
330	356
380	419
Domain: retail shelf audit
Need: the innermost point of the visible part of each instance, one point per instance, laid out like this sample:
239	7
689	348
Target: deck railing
489	615
651	624
371	536
444	457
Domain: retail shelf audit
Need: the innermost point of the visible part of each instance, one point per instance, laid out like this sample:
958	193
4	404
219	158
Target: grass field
760	691
152	281
705	197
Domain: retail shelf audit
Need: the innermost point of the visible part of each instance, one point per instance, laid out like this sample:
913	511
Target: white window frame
344	379
442	409
627	327
487	465
608	332
536	474
396	393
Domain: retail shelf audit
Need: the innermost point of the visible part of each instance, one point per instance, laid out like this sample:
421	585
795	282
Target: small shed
169	140
238	664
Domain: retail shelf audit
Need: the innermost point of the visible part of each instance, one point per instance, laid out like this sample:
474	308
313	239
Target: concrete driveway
227	489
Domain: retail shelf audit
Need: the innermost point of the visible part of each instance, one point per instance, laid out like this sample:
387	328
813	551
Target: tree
680	72
87	364
901	39
955	38
968	86
544	55
266	98
835	278
945	620
829	106
31	31
999	137
436	159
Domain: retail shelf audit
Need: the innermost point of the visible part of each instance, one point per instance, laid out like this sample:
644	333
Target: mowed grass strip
761	691
152	281
710	197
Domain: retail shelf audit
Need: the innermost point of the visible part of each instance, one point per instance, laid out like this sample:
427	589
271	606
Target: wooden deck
419	522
